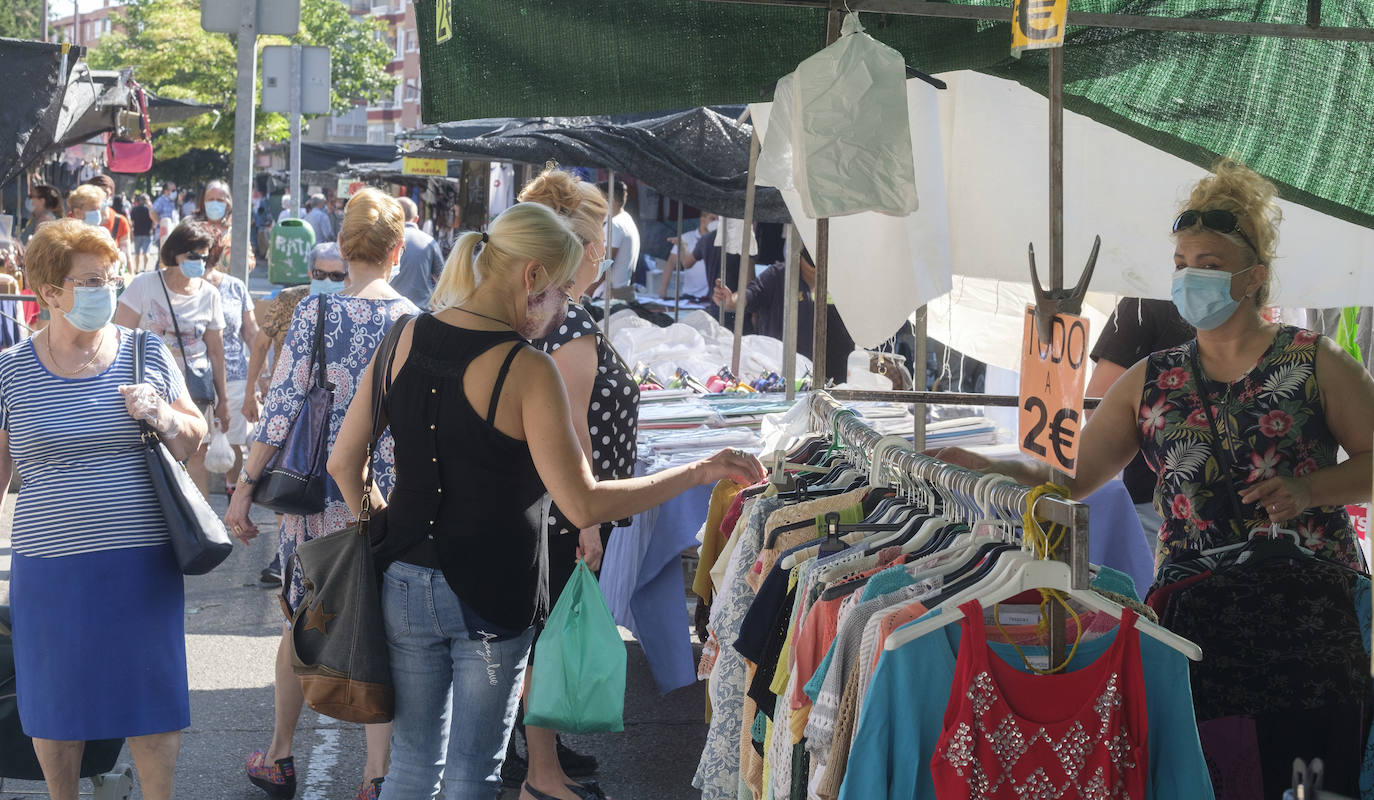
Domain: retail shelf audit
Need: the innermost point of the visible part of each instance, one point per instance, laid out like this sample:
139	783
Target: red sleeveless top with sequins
1019	736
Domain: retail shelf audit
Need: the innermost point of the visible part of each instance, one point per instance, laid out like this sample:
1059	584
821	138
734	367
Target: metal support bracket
1049	302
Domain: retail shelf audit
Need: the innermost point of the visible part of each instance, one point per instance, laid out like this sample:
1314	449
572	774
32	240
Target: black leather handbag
338	638
200	379
293	482
198	536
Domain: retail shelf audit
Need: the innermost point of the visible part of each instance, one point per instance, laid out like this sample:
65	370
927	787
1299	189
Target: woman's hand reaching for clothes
960	457
589	547
1283	499
732	464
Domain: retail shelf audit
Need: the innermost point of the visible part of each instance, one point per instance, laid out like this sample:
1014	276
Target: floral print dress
1273	424
353	329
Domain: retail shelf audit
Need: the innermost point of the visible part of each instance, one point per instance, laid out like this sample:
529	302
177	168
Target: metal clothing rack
828	415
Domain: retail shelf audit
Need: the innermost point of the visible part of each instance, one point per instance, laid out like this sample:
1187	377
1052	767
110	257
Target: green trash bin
288	261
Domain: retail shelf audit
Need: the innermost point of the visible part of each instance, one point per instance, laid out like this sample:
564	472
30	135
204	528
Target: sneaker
278	780
370	790
271	574
575	764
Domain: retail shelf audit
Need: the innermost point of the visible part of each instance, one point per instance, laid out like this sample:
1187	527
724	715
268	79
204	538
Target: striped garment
85	482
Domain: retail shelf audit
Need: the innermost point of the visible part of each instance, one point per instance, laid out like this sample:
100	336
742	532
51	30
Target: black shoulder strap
318	366
501	381
381	374
175	328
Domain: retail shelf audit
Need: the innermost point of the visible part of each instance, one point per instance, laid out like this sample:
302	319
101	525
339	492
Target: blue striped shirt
85	482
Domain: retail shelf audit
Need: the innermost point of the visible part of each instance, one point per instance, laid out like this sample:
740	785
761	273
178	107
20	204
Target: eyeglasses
197	256
96	283
1217	220
321	275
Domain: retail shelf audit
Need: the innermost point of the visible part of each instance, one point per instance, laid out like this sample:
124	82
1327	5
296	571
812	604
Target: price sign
1037	24
1052	380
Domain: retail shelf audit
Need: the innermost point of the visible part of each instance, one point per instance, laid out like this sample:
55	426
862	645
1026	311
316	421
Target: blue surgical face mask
193	267
92	309
216	209
1203	296
93	217
28	205
603	268
326	286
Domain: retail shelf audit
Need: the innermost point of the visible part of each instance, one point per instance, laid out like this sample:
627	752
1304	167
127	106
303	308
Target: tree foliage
21	19
174	57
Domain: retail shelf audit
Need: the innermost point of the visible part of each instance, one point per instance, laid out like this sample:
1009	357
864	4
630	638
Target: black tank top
471	490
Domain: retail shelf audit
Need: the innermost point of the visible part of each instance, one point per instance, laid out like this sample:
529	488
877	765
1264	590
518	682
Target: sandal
590	790
369	790
277	780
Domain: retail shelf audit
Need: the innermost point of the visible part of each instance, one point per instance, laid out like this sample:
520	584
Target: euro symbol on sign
1037	10
1062	430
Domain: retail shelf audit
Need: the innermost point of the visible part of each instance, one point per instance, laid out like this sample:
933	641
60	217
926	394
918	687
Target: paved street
233	627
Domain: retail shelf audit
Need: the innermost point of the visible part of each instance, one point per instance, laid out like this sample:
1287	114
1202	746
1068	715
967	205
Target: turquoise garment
904	710
1116	582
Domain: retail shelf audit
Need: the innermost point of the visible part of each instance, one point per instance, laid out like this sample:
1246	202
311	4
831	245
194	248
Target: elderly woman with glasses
98	609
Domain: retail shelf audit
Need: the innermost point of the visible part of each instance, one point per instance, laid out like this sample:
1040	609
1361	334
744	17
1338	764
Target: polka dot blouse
612	415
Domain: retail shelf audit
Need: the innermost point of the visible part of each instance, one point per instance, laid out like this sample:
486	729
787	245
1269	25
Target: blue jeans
442	658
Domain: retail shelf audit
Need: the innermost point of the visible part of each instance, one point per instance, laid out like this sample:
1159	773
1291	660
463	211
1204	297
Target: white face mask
712	225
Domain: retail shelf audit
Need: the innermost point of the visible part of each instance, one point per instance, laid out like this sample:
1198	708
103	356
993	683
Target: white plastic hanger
1029	574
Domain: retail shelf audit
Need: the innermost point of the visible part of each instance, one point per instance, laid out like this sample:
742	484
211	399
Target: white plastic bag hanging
220	456
851	139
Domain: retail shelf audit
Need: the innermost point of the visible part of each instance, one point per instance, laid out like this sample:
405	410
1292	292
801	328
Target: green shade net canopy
1300	111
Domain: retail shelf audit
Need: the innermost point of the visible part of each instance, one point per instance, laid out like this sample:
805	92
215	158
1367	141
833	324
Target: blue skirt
100	644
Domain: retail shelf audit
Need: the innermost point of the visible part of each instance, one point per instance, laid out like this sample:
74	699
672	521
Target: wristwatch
247	481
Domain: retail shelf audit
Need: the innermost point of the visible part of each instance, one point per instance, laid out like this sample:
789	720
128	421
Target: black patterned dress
612	420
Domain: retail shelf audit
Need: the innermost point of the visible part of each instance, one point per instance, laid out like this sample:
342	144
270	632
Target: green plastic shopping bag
577	683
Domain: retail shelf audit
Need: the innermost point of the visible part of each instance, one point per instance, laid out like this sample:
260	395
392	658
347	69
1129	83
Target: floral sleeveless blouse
1273	424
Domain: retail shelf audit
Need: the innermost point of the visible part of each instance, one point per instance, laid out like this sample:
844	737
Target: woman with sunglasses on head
356	321
179	305
605	412
99	612
1242	425
484	435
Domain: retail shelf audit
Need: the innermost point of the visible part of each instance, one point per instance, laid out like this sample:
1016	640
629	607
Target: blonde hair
569	196
87	196
48	257
1234	187
373	225
523	233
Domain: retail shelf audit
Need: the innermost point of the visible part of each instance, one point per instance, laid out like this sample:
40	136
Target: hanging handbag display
338	639
293	482
200	379
126	155
198	536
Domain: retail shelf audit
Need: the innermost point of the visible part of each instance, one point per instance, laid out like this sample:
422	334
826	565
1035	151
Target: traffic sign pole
295	132
243	136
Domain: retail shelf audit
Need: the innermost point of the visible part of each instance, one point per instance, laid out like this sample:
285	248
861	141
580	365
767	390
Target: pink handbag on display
132	156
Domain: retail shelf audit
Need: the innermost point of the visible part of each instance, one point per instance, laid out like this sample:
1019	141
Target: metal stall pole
606	282
296	131
724	273
820	292
677	293
746	261
243	139
789	311
918	378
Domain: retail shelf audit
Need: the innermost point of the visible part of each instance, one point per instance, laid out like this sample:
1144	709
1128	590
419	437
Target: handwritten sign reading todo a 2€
1053	376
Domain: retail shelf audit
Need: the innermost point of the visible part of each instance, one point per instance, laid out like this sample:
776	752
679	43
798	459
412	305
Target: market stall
1152	80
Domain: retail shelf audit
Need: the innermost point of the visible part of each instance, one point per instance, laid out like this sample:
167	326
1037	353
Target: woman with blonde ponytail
483	439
